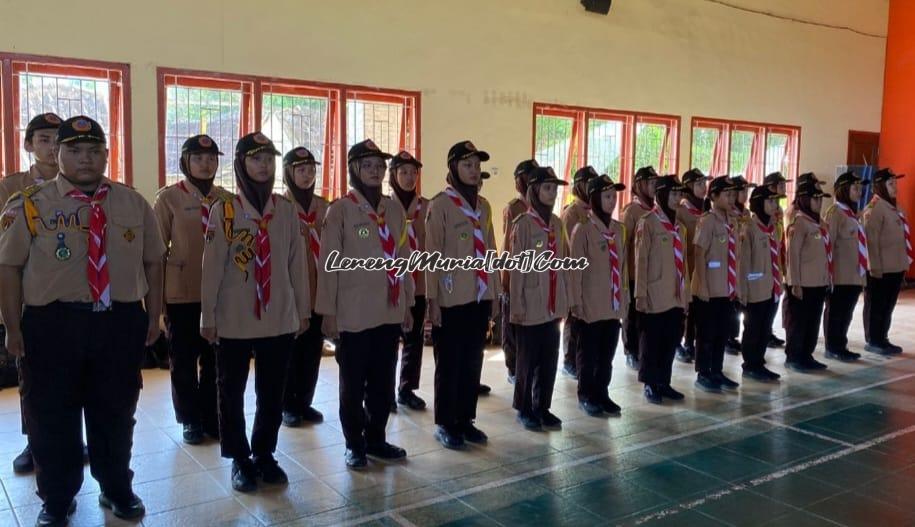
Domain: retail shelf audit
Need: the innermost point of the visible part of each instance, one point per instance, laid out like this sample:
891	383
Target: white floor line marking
447	496
800	467
401	520
805	432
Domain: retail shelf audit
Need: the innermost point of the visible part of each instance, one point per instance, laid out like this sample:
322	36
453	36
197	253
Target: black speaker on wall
597	6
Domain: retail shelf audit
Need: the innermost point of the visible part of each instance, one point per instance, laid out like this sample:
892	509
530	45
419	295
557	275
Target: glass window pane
777	154
379	121
552	146
649	145
703	148
292	121
741	145
605	147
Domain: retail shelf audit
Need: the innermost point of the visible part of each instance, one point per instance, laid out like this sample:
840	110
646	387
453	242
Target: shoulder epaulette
224	195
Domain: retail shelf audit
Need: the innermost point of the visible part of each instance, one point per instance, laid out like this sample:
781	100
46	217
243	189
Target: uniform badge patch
363	232
129	235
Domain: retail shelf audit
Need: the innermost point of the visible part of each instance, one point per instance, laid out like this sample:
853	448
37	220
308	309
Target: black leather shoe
131	509
24	464
894	349
270	470
212	430
775	342
47	518
244	475
756	374
192	434
816	365
355	459
633	362
310	415
550	421
669	393
411	401
732	347
592	409
879	349
530	422
708	384
842	355
652	395
448	438
292	420
611	407
685	354
385	451
474	435
726	383
800	367
483	389
770	374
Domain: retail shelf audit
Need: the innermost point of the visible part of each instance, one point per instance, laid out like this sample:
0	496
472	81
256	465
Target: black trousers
689	331
757	328
192	365
458	348
509	336
631	337
88	364
840	308
571	341
778	304
538	353
879	302
304	364
595	358
233	359
659	334
368	363
713	330
803	323
734	320
411	358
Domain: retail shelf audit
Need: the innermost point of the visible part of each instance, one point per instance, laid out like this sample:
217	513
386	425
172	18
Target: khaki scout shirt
318	208
689	217
711	242
885	237
450	232
515	208
530	292
18	182
54	260
632	213
178	209
655	269
359	298
228	286
754	275
574	214
591	288
843	232
807	266
416	216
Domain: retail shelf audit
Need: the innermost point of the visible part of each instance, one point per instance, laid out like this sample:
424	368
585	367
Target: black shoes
686	354
483	389
385	451
842	355
732	347
47	518
652	394
808	365
411	400
355	459
270	471
775	342
886	348
131	509
474	435
708	384
292	420
192	434
530	422
24	464
244	475
448	438
669	393
611	407
310	415
550	421
726	383
633	362
592	409
761	374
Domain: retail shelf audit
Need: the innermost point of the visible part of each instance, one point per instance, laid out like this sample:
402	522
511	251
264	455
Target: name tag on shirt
752	277
714	264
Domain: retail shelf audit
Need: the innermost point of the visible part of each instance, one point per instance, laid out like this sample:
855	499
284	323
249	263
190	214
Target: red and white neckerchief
692	209
615	274
551	246
309	222
732	261
827	244
769	230
862	238
479	246
262	268
678	249
905	228
97	266
411	231
205	205
388	247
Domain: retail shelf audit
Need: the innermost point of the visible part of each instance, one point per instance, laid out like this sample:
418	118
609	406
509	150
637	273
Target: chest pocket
125	237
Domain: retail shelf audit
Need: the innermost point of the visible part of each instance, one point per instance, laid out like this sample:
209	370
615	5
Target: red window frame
120	165
721	158
334	165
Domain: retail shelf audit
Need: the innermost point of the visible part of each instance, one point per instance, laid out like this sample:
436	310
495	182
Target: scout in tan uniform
41	142
368	309
299	174
254	302
573	214
183	211
598	295
778	184
889	246
806	178
643	192
715	284
760	282
404	180
809	277
688	213
849	256
461	302
662	289
741	218
539	300
83	255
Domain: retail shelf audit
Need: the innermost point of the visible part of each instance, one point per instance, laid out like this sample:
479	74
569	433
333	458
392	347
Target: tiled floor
836	448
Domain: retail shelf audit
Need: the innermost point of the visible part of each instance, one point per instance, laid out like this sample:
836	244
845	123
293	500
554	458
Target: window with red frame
292	113
32	85
613	142
744	148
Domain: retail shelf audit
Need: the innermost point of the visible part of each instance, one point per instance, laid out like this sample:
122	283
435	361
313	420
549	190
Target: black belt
89	306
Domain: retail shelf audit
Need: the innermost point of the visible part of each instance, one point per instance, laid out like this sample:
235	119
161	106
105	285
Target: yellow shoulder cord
228	222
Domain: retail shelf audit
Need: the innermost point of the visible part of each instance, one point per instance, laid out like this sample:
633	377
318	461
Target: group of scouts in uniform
243	275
